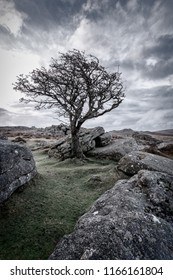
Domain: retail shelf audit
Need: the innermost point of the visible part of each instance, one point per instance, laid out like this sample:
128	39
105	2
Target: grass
34	219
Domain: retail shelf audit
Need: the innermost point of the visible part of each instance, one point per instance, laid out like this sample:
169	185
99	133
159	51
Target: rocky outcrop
103	140
135	161
19	140
127	132
126	144
17	167
54	131
145	139
117	149
166	148
61	149
133	220
89	139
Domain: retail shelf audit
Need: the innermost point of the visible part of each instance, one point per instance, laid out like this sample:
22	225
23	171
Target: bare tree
77	85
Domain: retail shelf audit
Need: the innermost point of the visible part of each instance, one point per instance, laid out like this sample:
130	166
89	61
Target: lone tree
77	85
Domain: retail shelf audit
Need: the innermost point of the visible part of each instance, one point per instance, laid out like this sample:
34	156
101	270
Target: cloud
46	14
5	117
12	64
26	117
159	58
10	17
160	70
162	49
132	35
142	109
37	25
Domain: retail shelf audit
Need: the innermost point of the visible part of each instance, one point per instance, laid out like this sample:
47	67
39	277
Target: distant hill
123	132
166	132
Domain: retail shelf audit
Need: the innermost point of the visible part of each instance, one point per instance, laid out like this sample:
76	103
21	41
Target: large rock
61	149
117	149
89	139
166	148
135	161
17	167
133	220
146	139
103	140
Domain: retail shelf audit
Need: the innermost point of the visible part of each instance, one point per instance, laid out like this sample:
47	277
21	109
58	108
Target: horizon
124	129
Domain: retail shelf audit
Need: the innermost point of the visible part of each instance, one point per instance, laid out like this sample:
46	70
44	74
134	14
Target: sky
137	35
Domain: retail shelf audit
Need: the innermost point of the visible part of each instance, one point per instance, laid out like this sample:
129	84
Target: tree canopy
77	85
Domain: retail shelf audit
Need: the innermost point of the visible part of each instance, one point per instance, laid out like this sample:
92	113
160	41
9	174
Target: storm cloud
131	35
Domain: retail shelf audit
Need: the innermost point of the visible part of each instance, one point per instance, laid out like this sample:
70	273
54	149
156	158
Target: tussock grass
34	219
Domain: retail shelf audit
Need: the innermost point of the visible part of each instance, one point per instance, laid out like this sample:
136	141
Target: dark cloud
44	14
162	98
163	48
160	70
167	15
161	52
44	23
95	10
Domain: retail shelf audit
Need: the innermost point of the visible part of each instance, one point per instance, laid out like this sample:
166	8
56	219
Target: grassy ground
34	219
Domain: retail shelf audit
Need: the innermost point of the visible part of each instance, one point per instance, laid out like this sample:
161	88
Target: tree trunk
76	146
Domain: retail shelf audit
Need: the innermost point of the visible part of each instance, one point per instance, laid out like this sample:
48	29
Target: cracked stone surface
17	167
137	160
